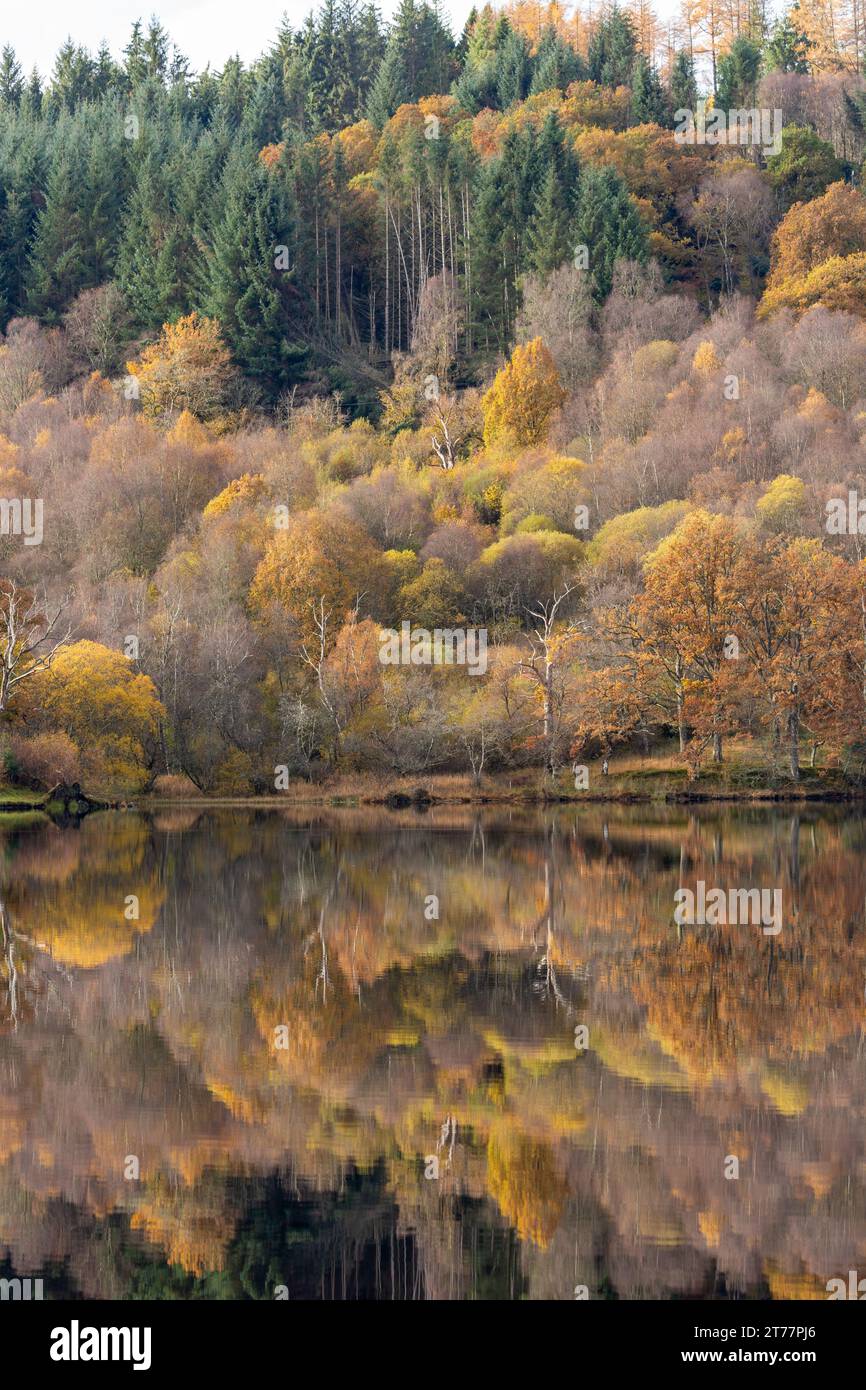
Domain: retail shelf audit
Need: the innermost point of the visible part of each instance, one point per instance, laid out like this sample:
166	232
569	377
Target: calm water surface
336	1053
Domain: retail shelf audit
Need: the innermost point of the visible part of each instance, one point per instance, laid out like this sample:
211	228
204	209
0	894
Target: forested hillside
475	333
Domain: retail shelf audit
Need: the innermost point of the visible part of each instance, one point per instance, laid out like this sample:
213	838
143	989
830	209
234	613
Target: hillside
549	338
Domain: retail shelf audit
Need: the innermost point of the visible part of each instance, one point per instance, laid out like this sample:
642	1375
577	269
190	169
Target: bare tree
548	649
314	655
447	439
24	629
97	326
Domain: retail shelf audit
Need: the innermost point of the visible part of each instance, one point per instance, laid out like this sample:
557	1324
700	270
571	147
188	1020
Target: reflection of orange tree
193	1221
526	1184
722	995
328	1034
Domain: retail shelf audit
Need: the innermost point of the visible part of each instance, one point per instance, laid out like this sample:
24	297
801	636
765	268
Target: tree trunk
794	744
681	723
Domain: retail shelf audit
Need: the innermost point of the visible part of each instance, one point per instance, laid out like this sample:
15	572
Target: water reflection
340	1055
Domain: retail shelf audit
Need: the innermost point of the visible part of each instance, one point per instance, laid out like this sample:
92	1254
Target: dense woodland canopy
396	326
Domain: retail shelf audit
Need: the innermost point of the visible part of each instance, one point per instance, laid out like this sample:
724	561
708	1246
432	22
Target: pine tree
313	195
107	76
78	228
333	61
683	87
612	50
489	297
512	66
556	64
362	50
22	168
60	251
72	78
151	259
31	100
103	196
483	35
154	50
135	66
327	78
463	42
788	49
737	77
554	149
501	223
648	104
390	87
250	288
552	229
476	88
234	93
418	61
11	80
551	234
608	225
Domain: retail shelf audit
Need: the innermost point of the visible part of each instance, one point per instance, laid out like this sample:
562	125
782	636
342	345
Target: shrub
45	759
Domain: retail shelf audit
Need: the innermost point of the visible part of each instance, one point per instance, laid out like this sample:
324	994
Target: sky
206	31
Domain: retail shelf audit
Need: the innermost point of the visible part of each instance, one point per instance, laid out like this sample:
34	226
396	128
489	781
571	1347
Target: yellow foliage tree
524	395
781	507
839	283
246	491
706	360
625	540
526	1184
315	570
110	711
188	368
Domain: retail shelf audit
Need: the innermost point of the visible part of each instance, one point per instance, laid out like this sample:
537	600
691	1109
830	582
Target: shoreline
649	788
337	802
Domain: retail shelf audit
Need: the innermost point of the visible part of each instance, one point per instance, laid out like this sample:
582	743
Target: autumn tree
110	710
679	624
552	644
831	228
795	612
524	395
317	560
188	368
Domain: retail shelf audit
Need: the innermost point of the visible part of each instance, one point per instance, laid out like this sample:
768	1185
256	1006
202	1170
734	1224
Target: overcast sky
207	31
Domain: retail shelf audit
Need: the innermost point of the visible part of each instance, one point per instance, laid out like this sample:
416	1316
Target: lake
356	1054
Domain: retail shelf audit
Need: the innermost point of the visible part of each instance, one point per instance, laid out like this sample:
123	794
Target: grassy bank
746	774
21	799
630	781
